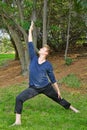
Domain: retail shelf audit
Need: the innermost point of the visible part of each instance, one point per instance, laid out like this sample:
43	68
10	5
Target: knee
19	99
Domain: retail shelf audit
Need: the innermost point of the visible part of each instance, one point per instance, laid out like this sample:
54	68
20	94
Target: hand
31	26
57	89
59	95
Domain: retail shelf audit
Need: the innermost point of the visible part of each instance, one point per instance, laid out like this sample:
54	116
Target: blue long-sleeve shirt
40	75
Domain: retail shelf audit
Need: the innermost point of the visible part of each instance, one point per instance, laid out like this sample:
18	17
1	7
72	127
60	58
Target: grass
71	80
41	113
5	57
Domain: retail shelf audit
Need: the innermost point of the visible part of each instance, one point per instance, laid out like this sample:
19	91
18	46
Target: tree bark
68	30
15	48
34	18
20	49
45	22
19	5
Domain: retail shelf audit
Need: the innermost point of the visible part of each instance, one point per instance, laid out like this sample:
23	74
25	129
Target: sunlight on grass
5	57
41	113
71	80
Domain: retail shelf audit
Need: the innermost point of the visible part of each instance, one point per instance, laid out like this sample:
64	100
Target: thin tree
45	22
68	30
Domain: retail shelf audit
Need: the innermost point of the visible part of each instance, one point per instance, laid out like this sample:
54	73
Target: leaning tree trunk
20	10
15	48
20	49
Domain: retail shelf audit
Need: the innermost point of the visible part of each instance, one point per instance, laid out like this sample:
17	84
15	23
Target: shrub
68	61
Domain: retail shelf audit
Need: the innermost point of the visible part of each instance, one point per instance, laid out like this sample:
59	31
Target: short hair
48	48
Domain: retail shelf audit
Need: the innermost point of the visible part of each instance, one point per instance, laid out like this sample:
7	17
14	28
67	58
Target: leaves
57	18
55	28
83	3
26	25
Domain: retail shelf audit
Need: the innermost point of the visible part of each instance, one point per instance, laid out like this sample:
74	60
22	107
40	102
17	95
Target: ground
10	73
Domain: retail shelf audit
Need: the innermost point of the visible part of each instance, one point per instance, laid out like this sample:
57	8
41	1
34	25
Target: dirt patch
10	73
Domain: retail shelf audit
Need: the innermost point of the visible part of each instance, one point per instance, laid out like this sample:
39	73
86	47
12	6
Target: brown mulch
10	74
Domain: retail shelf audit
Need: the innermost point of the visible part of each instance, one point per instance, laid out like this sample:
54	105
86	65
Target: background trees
52	19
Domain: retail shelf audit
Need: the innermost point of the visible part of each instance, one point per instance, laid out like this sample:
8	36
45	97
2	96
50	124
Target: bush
68	61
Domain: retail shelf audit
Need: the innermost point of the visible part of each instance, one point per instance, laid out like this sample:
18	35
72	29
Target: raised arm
30	42
30	37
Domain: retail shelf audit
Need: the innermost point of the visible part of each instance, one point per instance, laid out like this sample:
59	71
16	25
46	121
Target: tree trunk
34	18
45	22
15	48
20	49
68	30
19	5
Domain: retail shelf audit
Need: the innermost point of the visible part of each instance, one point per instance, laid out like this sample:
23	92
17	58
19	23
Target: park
63	26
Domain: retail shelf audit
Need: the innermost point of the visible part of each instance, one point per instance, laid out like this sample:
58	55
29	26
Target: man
39	71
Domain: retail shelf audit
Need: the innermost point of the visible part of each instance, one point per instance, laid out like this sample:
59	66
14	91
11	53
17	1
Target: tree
51	19
68	30
45	22
11	11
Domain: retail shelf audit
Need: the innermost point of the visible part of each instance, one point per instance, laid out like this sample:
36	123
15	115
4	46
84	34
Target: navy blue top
40	75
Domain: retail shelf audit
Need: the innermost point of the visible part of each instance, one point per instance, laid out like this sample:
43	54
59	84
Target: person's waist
39	87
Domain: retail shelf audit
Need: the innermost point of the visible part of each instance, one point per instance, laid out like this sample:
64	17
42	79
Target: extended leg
20	99
51	93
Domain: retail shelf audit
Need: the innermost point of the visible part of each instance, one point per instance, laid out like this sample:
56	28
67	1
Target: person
41	80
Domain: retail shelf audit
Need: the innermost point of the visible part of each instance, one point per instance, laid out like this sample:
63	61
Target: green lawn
5	57
41	113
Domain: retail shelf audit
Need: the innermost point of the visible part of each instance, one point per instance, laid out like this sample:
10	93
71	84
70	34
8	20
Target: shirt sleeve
51	74
31	50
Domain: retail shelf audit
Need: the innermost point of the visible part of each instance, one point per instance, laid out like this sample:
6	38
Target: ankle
18	119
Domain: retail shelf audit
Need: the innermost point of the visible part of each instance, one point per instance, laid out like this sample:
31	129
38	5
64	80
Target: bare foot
77	111
15	124
74	109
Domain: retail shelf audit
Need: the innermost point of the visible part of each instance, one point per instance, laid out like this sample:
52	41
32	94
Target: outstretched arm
30	42
30	37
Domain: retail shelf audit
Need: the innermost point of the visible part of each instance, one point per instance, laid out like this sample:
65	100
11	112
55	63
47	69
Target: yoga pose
41	80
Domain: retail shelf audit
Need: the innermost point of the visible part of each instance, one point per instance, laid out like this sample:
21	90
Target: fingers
31	26
32	23
59	96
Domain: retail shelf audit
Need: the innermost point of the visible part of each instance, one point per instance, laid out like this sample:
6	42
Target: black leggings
32	91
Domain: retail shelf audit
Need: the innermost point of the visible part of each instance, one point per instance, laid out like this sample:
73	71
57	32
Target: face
43	51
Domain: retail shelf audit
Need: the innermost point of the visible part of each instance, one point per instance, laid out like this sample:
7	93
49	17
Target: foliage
41	113
68	61
15	17
57	19
82	3
6	46
26	25
71	80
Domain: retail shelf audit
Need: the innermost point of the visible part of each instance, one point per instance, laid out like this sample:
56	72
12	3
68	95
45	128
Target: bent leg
22	97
